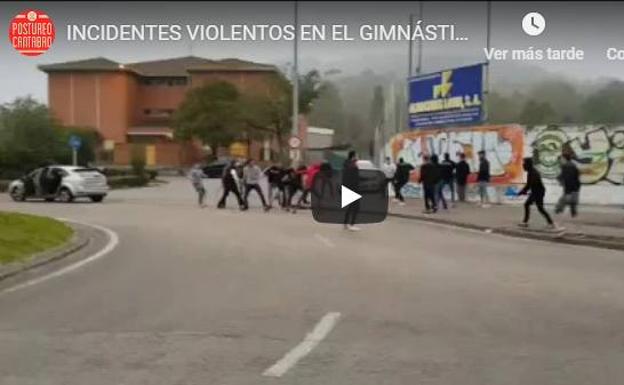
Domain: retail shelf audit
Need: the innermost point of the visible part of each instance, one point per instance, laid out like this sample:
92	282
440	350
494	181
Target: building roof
320	131
93	64
150	131
180	66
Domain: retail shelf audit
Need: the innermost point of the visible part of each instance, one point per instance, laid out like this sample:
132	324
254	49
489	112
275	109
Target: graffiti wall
504	147
597	150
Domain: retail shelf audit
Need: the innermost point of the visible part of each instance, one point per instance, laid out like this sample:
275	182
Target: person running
570	179
196	176
462	170
535	188
389	170
429	177
401	177
447	176
483	178
251	176
351	180
230	181
274	176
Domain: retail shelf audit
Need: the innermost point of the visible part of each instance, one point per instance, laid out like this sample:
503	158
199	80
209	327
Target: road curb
583	240
78	241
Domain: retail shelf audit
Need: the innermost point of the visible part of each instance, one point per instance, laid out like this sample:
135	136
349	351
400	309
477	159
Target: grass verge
23	235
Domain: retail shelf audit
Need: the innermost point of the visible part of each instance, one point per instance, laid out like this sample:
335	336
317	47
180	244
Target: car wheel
97	198
17	194
65	195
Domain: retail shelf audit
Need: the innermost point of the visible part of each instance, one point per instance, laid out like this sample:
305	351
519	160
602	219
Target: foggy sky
592	26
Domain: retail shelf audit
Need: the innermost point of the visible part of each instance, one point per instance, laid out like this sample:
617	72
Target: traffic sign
75	142
294	142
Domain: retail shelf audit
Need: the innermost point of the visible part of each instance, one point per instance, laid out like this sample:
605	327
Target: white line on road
312	339
113	240
326	241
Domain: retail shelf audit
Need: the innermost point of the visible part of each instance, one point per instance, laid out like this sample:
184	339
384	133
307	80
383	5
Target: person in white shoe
536	190
351	180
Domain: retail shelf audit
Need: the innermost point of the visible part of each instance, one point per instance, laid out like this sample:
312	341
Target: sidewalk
599	228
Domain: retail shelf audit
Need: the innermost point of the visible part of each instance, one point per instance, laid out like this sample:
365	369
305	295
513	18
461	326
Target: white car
64	183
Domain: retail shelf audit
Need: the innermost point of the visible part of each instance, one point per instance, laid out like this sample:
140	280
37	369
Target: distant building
130	105
318	141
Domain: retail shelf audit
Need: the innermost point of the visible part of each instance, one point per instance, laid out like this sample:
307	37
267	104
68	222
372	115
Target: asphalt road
206	296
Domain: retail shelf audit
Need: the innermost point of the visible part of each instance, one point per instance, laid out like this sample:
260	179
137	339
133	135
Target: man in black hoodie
461	175
429	177
230	182
401	177
351	180
571	182
537	191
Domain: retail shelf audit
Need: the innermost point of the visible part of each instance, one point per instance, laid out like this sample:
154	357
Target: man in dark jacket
462	170
571	182
401	177
537	191
351	180
230	181
274	175
447	174
429	177
438	193
483	178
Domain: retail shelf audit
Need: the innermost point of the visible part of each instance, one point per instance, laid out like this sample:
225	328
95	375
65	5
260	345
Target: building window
169	81
158	112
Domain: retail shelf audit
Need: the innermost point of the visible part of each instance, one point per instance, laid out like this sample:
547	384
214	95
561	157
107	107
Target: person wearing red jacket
308	180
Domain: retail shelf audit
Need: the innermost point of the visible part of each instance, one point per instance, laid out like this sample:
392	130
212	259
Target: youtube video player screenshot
311	192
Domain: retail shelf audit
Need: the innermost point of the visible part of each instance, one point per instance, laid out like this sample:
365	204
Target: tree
29	136
535	113
329	111
310	87
605	105
212	113
269	113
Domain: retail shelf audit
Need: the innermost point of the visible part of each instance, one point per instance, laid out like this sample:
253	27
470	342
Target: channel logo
31	32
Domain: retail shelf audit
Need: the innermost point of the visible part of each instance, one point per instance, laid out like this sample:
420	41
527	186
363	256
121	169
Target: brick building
130	105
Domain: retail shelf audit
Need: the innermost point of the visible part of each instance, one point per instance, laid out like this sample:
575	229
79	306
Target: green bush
138	162
127	181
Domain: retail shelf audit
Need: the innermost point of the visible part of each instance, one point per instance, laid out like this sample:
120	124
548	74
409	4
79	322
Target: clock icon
533	23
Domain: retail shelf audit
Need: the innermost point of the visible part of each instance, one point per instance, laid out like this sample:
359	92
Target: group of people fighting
437	176
241	178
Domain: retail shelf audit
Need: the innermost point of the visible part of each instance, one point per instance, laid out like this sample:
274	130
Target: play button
347	196
332	200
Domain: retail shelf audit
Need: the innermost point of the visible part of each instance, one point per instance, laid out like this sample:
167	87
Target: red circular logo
31	32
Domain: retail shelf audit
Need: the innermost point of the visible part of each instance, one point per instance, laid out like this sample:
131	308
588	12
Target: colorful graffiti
503	145
597	150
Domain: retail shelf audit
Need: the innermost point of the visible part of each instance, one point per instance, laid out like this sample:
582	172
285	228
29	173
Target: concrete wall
598	150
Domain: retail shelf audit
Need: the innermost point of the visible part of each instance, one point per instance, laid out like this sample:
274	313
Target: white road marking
312	339
326	241
113	241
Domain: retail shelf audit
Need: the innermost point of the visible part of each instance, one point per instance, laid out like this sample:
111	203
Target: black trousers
258	190
351	214
429	192
538	200
227	189
398	185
